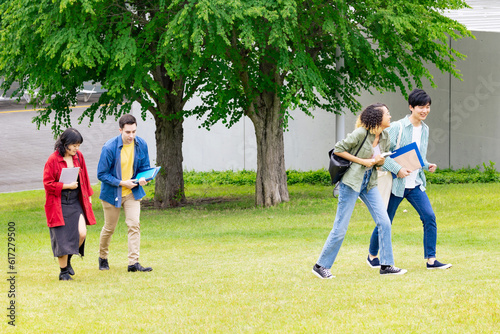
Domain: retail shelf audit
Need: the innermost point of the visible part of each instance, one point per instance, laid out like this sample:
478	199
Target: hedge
478	174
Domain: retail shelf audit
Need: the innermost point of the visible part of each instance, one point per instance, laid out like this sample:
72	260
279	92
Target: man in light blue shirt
408	184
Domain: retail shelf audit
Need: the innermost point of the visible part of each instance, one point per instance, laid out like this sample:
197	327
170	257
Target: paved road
24	149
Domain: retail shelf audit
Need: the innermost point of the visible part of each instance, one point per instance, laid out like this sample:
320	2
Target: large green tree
58	45
276	55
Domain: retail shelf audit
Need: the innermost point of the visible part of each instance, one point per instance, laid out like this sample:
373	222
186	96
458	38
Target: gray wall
464	120
307	142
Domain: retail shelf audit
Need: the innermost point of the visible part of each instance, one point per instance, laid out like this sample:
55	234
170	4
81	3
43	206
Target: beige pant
132	209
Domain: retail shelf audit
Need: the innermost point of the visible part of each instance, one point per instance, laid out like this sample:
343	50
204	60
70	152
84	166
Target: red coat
53	188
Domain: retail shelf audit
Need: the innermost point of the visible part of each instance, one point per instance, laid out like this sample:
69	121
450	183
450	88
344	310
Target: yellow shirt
127	162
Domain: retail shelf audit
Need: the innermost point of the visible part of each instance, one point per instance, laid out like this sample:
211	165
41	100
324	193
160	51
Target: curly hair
68	137
371	117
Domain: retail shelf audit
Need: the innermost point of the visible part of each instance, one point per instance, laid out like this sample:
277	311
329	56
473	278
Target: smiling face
128	133
386	118
71	149
419	113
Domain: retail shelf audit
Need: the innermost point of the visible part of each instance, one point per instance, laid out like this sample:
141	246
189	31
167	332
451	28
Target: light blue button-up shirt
398	184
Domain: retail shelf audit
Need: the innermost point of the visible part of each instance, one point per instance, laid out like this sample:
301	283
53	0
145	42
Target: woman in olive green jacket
360	180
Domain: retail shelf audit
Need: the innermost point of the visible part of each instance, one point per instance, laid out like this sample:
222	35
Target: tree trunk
169	184
271	186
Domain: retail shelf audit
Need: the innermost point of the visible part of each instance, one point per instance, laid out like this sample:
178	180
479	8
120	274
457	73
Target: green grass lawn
230	267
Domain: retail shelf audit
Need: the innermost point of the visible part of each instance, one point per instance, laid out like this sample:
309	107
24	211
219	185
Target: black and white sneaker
438	265
322	272
375	263
392	270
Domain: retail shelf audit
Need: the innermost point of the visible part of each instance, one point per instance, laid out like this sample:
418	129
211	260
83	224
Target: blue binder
149	174
406	149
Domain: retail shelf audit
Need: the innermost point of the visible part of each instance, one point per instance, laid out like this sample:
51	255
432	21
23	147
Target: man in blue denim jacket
411	184
121	159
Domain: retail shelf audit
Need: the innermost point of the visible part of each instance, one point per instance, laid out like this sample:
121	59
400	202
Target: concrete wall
307	142
464	122
465	117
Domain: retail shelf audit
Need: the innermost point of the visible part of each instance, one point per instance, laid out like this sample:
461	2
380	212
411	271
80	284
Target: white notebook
69	175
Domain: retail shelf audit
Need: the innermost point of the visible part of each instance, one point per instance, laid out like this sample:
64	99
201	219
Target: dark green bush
465	175
239	178
246	177
320	176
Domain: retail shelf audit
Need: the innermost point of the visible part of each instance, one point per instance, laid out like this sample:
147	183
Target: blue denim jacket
109	170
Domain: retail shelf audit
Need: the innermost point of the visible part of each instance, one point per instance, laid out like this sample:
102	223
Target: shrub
322	177
244	177
465	175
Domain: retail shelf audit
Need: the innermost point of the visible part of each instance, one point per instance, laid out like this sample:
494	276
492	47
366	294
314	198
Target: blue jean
347	200
419	200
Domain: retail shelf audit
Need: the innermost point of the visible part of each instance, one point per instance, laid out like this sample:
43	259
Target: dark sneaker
137	267
322	272
64	275
438	265
392	270
375	263
103	264
70	268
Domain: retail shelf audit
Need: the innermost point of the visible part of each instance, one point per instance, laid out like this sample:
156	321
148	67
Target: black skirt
65	239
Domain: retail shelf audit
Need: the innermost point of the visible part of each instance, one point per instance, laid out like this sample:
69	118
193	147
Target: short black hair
418	97
126	119
371	117
68	137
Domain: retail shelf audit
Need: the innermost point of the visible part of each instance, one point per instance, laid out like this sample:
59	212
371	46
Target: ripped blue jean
347	200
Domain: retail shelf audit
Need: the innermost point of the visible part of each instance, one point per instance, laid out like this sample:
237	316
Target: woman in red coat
68	206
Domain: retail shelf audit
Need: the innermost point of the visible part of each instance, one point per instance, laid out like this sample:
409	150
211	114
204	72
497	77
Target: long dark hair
371	117
68	137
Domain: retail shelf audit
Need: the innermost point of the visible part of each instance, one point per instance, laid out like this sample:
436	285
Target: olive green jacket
354	175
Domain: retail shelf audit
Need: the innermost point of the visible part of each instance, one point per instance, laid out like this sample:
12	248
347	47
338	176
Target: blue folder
405	149
149	174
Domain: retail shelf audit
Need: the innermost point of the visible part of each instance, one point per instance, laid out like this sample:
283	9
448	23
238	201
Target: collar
120	141
60	158
406	122
384	134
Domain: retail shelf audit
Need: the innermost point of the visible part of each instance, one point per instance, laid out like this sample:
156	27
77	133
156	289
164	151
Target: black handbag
339	166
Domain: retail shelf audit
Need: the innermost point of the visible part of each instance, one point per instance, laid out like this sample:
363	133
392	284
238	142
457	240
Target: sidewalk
24	149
